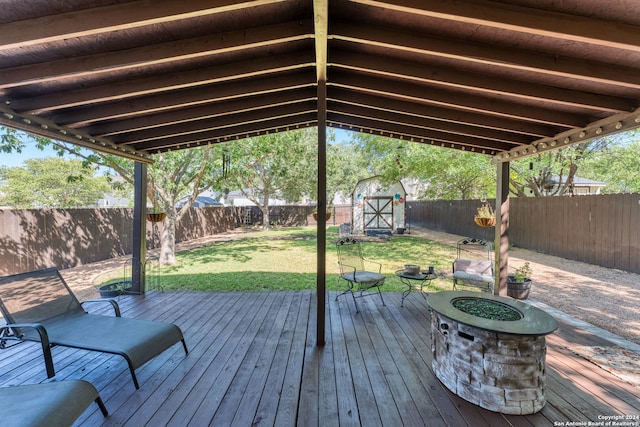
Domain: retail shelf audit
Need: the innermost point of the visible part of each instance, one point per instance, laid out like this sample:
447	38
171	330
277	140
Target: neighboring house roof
581	185
580	182
200	202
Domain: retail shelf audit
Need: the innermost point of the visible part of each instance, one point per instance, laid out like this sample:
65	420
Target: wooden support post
502	229
321	26
139	250
321	282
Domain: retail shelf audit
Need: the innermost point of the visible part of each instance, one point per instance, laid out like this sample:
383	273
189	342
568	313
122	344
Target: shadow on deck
253	361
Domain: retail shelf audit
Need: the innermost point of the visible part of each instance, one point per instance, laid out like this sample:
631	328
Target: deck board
253	361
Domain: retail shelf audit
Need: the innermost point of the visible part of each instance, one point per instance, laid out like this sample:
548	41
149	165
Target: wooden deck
253	361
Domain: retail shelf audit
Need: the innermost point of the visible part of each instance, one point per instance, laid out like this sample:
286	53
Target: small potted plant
519	283
485	216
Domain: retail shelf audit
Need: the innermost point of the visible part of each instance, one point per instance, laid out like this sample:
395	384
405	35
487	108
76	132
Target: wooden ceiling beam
516	89
101	20
239	131
157	103
164	83
215	109
445	115
429	125
178	50
498	56
527	20
450	99
393	129
216	122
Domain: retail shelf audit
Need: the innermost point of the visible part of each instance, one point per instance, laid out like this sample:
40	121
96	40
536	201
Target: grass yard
285	259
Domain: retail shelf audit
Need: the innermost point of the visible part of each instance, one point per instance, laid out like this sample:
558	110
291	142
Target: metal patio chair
352	269
473	265
39	306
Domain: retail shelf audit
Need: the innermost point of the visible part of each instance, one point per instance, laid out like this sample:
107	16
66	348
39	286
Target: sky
28	152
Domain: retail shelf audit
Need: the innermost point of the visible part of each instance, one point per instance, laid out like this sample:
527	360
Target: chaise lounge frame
39	306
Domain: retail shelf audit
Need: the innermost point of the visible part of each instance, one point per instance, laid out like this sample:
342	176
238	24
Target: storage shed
378	208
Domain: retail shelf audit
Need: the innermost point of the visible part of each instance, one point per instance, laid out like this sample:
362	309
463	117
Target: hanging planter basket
484	221
315	216
156	217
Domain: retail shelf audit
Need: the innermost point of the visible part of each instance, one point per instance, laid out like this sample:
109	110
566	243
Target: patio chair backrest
474	249
36	297
349	255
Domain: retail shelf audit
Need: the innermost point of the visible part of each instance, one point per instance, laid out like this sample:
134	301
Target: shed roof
506	78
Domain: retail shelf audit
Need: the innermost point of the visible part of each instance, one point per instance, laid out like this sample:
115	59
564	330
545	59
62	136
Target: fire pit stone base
499	372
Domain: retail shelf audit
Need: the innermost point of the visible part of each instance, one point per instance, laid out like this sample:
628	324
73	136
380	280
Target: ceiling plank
156	103
393	129
193	114
230	133
215	122
164	83
523	20
442	114
498	56
107	19
417	93
429	125
180	50
479	83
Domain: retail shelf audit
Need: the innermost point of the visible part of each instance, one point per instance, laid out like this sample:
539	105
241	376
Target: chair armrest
373	262
347	267
114	304
44	341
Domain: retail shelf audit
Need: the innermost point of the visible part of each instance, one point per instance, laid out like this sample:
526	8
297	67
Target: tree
173	176
346	165
618	166
51	183
448	174
552	173
275	165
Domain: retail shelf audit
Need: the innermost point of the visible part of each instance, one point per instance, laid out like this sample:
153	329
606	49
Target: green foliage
485	211
51	183
346	165
281	164
618	166
523	272
446	174
535	176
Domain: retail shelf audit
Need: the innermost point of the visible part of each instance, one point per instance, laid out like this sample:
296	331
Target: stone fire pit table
498	365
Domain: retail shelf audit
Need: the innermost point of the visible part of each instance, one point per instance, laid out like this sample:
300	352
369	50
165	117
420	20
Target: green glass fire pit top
487	309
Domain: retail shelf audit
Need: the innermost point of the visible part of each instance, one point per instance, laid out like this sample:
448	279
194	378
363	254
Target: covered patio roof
503	78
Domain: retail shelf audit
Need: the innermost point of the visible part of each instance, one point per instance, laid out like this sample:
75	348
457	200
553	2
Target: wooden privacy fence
64	238
596	229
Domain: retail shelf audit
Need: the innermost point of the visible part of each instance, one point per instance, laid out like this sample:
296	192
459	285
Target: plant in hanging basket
485	216
156	215
315	213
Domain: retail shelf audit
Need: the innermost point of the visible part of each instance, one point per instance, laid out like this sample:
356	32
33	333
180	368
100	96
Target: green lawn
285	259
